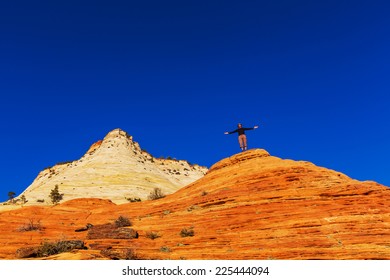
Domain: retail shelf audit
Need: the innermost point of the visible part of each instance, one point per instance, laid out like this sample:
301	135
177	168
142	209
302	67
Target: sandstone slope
115	168
249	206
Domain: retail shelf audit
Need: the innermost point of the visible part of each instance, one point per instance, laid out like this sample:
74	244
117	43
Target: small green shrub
23	199
187	232
55	195
11	196
152	235
123	222
133	199
165	249
156	194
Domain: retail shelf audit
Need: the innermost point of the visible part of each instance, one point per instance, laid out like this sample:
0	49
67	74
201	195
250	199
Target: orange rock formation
94	146
249	206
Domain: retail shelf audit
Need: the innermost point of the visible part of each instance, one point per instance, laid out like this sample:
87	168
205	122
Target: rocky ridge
249	206
115	168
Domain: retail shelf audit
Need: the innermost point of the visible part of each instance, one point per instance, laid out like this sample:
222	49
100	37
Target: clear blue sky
314	75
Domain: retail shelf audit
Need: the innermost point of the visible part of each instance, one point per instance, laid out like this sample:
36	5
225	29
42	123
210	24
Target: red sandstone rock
249	206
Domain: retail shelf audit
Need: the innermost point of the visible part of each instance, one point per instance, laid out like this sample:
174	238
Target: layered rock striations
249	206
115	168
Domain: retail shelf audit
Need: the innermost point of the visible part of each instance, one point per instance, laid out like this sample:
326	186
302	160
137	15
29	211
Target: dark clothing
240	130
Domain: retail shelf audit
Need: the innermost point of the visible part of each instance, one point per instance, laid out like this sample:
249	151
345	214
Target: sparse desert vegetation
152	235
156	193
185	232
31	226
123	221
55	195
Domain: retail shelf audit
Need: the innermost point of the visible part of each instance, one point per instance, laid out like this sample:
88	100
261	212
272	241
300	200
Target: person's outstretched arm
231	132
251	128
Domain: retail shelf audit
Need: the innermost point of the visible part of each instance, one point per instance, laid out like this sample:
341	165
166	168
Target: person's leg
244	141
241	142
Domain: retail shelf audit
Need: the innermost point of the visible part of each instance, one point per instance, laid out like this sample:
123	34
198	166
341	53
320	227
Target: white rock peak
115	168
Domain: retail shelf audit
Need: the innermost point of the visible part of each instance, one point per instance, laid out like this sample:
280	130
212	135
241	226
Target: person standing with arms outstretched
241	135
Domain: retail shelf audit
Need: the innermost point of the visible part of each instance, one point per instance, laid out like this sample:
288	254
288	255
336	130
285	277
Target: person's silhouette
241	135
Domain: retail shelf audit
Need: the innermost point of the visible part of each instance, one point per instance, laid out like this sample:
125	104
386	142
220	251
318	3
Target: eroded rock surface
249	206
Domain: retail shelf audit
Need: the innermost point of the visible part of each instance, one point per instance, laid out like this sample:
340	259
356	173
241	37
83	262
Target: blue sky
314	75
